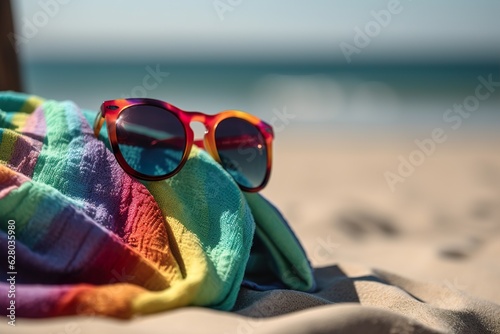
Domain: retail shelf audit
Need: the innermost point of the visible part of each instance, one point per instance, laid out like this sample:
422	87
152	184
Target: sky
253	30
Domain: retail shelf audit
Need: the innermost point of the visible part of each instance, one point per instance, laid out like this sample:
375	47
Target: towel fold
89	239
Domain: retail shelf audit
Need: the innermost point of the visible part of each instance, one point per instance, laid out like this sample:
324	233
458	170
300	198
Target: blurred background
349	87
309	57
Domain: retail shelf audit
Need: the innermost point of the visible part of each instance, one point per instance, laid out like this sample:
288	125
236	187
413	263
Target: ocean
360	97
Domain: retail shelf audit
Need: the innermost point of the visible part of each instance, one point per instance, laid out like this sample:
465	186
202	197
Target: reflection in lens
151	139
242	150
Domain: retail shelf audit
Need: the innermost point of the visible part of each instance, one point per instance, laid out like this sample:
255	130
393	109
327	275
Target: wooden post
9	63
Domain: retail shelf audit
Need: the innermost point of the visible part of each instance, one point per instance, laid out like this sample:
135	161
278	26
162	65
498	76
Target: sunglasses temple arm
98	122
234	142
269	129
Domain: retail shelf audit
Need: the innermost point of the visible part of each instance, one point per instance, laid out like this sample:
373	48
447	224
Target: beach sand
442	224
423	258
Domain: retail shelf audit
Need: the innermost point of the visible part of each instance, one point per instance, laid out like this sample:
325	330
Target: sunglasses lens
151	139
243	151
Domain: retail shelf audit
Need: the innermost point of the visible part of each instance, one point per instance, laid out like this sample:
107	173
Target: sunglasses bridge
198	118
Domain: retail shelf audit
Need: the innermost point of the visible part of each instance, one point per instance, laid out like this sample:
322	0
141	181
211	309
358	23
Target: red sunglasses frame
111	110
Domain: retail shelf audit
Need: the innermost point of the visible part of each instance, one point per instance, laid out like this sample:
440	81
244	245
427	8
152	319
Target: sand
423	258
441	225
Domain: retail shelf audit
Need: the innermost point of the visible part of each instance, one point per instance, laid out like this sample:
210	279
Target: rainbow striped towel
79	236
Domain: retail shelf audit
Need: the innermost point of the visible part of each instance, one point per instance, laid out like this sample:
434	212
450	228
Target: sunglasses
152	139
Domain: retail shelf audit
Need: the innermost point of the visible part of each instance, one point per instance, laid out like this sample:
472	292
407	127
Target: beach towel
80	236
